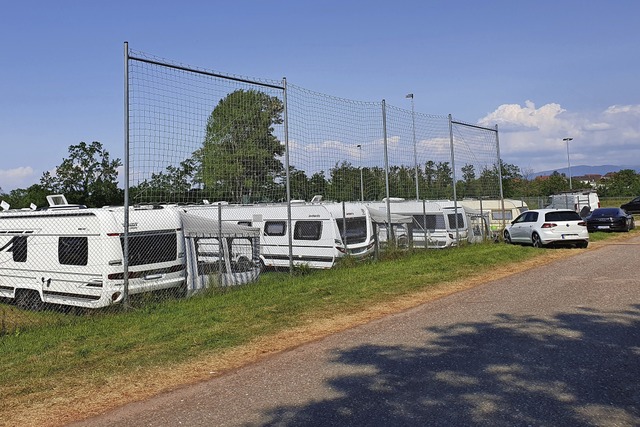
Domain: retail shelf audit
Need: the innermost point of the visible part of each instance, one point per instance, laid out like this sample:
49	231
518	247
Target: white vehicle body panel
317	240
74	256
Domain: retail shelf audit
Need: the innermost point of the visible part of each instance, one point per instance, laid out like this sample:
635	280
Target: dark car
610	219
633	206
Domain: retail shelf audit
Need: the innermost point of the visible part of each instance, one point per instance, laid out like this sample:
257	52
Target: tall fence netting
229	177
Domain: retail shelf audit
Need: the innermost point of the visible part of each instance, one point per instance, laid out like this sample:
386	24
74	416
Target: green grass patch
109	343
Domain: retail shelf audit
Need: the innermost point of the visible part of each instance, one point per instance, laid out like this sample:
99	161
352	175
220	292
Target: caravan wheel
244	264
29	300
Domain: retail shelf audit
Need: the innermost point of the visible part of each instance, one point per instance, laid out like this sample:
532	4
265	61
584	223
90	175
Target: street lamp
361	181
415	152
568	161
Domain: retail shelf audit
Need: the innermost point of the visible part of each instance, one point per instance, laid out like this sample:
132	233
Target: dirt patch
83	400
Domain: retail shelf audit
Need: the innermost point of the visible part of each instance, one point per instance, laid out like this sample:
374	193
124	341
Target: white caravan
73	255
433	223
318	240
499	215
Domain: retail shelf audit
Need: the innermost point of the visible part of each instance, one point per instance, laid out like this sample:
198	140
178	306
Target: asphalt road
557	345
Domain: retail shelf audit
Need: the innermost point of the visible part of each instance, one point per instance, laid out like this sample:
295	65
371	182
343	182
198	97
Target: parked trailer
72	255
433	223
321	232
500	214
581	201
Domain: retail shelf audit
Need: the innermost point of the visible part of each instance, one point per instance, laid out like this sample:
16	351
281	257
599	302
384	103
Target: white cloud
532	138
19	177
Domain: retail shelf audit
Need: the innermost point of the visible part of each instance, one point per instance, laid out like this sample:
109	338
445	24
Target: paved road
558	345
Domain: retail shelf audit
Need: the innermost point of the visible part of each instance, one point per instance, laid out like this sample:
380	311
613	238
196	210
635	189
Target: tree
88	176
622	183
23	197
173	185
239	154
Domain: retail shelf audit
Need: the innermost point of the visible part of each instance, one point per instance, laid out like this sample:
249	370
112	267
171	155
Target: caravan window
151	247
73	250
307	230
356	230
19	249
429	222
452	220
275	228
501	215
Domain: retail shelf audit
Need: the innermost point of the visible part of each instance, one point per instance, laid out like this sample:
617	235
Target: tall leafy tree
172	185
88	176
239	157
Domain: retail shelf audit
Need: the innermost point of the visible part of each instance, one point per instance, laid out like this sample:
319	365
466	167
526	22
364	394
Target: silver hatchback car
548	227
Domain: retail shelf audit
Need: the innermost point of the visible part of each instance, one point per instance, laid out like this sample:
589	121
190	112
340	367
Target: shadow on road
572	369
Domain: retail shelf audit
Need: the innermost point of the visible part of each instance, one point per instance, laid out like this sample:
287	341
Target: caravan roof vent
316	199
57	200
5	206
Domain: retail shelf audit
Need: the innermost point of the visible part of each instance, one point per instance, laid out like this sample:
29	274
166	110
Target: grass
102	347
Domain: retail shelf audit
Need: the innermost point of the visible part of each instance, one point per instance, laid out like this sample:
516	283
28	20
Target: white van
320	235
73	255
582	202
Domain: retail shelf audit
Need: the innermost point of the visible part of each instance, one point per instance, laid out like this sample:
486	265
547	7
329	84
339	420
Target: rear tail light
549	225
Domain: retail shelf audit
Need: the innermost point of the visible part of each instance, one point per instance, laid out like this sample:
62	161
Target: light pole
568	161
415	150
361	181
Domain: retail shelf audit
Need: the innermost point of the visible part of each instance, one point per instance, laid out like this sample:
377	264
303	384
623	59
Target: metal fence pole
288	176
504	223
386	171
453	176
125	246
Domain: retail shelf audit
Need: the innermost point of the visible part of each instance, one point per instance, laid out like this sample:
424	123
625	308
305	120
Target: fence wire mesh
213	160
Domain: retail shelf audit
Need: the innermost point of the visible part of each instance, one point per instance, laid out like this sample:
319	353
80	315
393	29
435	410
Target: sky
541	70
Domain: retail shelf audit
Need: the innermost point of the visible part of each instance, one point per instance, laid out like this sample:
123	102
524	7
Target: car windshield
562	216
604	212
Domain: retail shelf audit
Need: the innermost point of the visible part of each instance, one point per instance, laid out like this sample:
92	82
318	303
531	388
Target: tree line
239	162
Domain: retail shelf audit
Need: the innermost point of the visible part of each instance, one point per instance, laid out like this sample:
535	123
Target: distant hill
585	170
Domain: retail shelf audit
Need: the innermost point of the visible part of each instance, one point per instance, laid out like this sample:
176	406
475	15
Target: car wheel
536	241
507	237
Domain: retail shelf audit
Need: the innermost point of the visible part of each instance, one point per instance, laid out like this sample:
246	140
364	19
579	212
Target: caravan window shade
275	228
307	230
501	215
152	247
73	250
433	222
452	220
19	249
356	230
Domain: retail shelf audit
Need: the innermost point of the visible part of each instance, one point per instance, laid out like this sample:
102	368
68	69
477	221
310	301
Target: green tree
239	156
623	183
23	197
88	176
468	178
171	186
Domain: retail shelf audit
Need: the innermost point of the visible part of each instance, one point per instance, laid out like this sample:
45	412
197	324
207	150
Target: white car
542	227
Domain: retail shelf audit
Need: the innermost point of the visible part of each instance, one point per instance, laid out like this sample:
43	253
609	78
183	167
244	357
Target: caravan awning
197	226
380	217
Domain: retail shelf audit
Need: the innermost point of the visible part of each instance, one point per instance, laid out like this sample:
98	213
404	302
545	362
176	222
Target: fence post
288	177
504	223
453	176
386	172
125	245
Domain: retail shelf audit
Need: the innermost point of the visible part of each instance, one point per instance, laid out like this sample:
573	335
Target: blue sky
541	70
